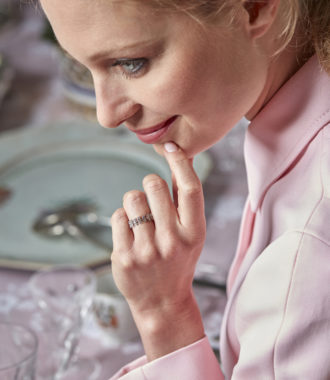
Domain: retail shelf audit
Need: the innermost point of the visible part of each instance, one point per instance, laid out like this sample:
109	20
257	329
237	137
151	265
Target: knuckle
189	244
134	196
193	190
114	258
169	254
154	183
170	246
118	216
123	260
199	239
127	263
148	257
180	158
195	240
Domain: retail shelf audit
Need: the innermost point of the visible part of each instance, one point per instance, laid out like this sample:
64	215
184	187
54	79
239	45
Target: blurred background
54	157
40	86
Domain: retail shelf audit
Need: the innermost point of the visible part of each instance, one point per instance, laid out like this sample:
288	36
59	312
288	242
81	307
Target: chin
159	148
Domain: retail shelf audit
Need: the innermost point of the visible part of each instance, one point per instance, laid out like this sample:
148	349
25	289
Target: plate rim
28	137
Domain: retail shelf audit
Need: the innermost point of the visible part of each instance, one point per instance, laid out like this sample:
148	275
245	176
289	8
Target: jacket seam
144	376
311	234
316	121
270	182
285	306
303	234
321	157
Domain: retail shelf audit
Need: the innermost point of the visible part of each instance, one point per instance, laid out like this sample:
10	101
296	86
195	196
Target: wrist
169	327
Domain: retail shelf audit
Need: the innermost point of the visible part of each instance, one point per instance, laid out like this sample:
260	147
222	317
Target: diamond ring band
140	220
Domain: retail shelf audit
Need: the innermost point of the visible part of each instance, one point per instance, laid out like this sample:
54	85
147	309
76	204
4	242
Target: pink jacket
277	319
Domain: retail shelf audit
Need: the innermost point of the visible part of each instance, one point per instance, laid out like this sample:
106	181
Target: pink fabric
243	243
196	360
277	319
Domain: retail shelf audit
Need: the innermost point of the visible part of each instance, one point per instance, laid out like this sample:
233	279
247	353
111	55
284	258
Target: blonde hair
312	15
315	16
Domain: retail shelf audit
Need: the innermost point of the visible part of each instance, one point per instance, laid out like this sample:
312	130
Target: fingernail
170	147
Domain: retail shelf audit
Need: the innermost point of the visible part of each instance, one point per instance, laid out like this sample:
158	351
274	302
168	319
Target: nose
113	106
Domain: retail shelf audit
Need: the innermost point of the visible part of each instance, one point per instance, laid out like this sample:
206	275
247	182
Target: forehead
90	23
87	11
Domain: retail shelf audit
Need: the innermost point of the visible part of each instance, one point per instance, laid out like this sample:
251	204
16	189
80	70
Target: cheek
171	88
170	95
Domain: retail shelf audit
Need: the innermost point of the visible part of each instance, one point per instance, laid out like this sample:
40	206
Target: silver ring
140	220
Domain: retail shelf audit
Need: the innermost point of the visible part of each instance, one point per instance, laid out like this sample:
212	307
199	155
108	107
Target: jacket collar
281	130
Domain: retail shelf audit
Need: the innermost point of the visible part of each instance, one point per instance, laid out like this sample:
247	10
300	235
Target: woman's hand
153	264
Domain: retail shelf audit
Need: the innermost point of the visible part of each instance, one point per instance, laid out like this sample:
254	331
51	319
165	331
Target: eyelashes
131	68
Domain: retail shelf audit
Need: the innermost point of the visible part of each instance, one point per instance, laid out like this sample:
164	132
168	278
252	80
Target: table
36	98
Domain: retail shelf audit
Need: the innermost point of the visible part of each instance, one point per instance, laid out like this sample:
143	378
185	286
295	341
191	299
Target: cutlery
77	220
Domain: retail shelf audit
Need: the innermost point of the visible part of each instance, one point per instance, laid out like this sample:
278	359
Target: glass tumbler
18	351
64	295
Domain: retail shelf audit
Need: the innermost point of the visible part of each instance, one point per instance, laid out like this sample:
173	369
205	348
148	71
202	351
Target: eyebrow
120	50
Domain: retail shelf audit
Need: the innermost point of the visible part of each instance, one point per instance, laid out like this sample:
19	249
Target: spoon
80	221
77	222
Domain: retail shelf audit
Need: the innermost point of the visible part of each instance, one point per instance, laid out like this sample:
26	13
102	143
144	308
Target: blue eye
131	67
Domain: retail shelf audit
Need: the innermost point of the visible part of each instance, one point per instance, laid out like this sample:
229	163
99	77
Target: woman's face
163	75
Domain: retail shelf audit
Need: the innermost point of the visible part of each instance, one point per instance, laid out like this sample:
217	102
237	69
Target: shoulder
292	260
283	309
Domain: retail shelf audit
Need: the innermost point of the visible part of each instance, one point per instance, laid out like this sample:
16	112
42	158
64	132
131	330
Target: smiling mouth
153	134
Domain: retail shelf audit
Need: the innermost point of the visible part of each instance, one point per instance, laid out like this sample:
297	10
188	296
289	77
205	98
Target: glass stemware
18	350
64	295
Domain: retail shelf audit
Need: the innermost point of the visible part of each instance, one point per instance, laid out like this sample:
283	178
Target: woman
180	74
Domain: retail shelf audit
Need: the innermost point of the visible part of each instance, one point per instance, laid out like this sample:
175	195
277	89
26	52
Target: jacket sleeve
282	316
193	362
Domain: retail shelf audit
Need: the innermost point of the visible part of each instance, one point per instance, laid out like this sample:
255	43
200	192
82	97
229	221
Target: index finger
189	188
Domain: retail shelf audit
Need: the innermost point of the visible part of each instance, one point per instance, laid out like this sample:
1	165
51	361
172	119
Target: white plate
46	167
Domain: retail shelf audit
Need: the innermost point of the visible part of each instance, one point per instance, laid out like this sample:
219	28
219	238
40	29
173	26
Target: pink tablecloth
16	301
17	305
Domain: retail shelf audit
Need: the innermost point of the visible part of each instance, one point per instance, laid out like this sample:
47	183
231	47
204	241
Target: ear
261	15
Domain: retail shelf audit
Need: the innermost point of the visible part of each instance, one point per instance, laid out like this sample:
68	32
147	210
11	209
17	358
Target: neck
281	69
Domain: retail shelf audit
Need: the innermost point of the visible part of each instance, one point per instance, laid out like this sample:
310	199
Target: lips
153	134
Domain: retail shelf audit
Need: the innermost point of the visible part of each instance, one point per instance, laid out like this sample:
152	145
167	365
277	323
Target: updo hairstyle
312	15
